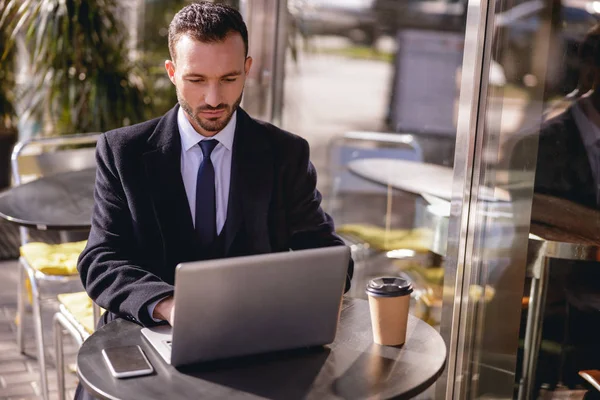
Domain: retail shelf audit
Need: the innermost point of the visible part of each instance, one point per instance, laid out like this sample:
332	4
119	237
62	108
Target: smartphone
127	361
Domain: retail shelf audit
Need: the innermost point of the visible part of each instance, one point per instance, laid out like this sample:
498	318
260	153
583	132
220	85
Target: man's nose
213	95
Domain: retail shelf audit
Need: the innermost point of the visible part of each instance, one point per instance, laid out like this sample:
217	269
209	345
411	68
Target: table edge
92	389
44	227
426	385
407	395
566	250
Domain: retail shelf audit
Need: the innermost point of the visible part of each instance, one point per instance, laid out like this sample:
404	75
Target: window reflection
373	86
543	121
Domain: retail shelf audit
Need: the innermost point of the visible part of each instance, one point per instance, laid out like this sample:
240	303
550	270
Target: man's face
209	79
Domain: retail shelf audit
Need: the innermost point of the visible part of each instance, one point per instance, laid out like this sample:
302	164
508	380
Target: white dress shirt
191	158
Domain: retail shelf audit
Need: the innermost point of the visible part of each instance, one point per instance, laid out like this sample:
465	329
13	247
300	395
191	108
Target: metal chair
358	145
32	157
65	321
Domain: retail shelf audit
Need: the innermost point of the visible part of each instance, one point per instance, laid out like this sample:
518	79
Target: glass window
373	86
532	245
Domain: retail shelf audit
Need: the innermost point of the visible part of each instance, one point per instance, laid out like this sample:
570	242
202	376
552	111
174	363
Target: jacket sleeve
111	266
309	225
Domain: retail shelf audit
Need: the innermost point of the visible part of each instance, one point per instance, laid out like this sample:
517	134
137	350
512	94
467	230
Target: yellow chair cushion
53	259
81	308
418	239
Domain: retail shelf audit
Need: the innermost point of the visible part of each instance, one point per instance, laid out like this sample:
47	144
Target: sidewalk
19	374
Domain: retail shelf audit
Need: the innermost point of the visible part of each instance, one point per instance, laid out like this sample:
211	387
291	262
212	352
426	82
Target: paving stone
8	345
24	389
70	383
12	355
31	398
54	396
4	318
5	328
12	366
8	298
11	379
35	367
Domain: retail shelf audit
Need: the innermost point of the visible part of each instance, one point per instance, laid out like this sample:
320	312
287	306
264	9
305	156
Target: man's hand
165	310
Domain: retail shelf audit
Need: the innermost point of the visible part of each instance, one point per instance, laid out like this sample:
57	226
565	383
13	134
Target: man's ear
170	67
247	65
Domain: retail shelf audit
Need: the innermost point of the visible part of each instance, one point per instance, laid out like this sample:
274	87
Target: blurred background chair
359	145
49	263
377	243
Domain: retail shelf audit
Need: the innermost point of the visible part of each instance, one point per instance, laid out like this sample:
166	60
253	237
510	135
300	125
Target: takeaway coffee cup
389	298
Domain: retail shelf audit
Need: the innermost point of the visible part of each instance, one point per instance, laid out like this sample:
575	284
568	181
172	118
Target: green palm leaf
80	66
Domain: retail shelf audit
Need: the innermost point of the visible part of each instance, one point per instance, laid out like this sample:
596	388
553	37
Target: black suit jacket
563	169
142	225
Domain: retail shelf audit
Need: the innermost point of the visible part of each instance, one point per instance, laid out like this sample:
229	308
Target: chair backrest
359	145
51	155
45	156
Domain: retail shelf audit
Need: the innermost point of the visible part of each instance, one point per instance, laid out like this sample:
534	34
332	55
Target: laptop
249	305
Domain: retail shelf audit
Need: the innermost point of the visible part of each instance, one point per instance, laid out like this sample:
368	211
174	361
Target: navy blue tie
206	209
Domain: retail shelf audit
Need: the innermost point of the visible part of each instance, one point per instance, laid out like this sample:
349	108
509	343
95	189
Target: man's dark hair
206	22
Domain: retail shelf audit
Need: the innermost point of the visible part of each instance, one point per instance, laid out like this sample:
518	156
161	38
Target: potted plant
8	122
83	79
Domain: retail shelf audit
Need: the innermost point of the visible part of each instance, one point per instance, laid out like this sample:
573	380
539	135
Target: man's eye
229	79
194	80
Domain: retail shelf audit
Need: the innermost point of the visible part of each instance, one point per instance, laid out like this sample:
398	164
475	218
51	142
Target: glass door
373	86
522	283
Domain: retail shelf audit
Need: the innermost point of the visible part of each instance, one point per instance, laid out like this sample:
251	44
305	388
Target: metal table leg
535	321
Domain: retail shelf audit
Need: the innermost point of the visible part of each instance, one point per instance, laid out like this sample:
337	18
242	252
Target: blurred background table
415	177
63	201
351	367
560	230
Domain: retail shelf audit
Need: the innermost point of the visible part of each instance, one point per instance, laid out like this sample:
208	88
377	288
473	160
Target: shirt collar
190	138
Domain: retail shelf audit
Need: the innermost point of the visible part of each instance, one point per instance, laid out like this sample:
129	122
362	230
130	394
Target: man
203	181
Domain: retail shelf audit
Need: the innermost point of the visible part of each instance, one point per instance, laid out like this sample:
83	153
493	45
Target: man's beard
207	125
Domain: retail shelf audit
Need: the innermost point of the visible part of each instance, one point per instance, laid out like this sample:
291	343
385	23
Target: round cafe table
62	201
351	367
415	177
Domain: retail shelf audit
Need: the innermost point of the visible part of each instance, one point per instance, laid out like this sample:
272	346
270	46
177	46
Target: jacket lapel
163	175
578	162
250	189
251	185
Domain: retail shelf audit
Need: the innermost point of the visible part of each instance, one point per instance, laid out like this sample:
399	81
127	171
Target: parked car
352	19
436	15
